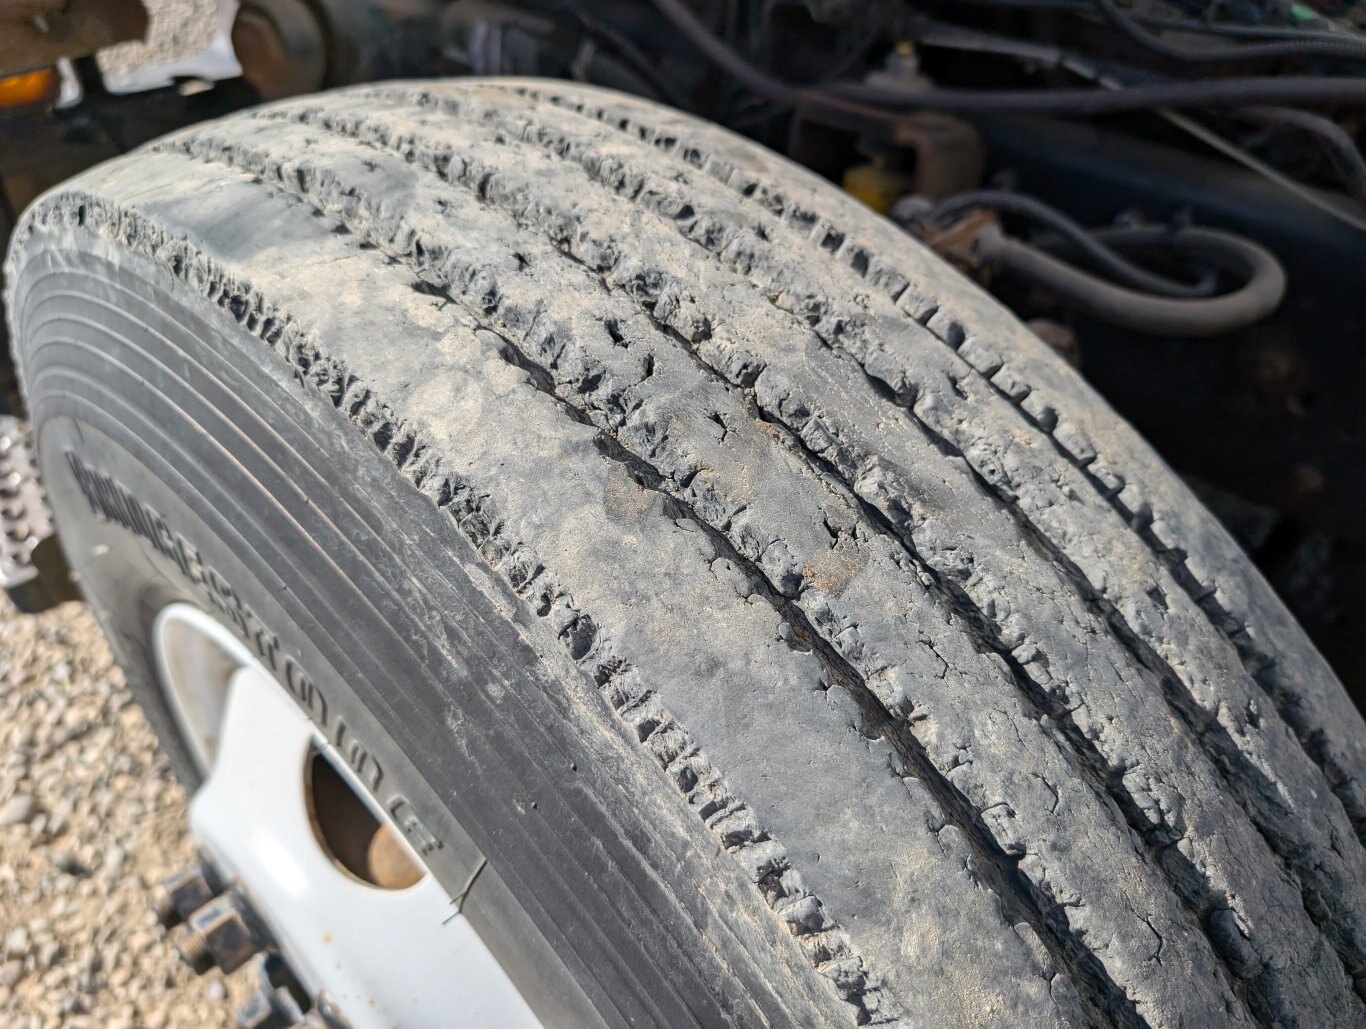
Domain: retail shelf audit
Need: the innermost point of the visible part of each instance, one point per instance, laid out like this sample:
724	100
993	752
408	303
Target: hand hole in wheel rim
349	833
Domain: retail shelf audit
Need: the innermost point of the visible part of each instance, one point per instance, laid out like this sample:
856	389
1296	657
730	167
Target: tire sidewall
156	503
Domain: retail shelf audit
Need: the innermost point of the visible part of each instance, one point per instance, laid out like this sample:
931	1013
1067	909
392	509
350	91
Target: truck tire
788	634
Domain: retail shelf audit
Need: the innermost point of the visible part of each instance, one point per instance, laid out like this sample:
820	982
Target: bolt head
262	1011
181	893
226	934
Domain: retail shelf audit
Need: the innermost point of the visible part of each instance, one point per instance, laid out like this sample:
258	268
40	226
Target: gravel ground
90	816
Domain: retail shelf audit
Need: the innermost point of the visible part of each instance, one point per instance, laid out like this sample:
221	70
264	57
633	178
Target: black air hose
1262	276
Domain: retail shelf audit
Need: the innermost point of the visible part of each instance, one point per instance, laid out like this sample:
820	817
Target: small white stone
11	972
18	809
16	943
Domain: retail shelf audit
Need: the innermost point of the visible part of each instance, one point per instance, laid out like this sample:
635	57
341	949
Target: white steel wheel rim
382	956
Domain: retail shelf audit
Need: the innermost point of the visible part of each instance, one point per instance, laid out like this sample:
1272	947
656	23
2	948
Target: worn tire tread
1147	777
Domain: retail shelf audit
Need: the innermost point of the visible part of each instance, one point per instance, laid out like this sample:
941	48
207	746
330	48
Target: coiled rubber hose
1262	289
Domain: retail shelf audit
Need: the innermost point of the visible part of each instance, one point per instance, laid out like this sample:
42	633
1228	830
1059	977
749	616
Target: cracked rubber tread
1202	674
1239	708
1145	495
331	188
1202	558
771	493
1226	903
888	828
1072	834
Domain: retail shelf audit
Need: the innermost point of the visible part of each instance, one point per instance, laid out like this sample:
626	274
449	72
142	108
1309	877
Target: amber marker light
29	88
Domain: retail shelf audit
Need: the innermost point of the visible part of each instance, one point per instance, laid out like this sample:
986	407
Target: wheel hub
346	902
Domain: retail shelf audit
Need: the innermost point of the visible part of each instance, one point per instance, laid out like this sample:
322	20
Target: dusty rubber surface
90	815
996	718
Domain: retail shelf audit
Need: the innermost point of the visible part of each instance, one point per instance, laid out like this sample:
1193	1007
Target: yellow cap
877	185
